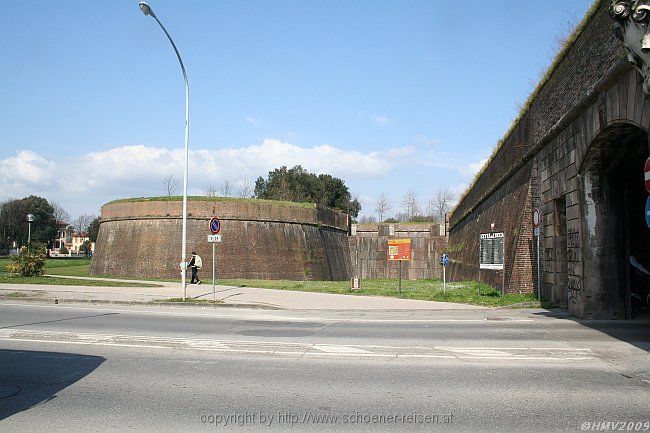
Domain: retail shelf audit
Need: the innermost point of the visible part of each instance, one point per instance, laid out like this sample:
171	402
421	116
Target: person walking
195	264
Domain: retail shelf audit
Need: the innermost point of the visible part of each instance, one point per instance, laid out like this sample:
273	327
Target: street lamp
30	218
146	9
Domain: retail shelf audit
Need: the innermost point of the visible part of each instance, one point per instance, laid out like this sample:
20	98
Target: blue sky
391	96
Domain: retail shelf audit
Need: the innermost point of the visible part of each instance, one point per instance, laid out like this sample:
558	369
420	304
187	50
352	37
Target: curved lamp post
146	9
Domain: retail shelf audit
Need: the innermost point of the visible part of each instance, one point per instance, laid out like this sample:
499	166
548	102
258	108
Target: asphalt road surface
87	369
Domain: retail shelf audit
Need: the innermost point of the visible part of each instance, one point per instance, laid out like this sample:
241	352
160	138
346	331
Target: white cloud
253	121
133	171
143	168
426	141
472	168
381	120
26	168
451	161
378	119
82	184
25	174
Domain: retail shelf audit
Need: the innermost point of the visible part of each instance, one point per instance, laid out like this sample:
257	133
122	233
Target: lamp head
146	9
30	217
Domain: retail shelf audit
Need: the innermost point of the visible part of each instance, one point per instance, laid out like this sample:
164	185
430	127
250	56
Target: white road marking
481	352
299	349
339	349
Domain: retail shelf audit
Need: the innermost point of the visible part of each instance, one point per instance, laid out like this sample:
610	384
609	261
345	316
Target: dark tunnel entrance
622	238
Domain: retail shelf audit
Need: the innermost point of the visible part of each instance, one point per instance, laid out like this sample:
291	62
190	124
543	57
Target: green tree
85	248
297	184
93	230
13	218
29	262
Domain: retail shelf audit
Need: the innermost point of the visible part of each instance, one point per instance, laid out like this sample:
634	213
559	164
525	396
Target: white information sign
214	238
491	245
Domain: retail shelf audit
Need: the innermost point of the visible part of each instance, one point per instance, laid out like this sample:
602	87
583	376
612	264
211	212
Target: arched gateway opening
615	238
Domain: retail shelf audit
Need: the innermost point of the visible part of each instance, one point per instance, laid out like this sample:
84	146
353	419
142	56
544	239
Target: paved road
66	368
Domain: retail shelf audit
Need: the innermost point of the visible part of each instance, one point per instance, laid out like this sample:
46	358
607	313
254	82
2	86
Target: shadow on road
57	320
633	331
28	378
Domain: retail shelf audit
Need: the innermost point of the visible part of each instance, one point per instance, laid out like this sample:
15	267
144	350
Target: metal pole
400	276
503	276
146	9
356	260
444	279
214	293
539	275
479	267
29	234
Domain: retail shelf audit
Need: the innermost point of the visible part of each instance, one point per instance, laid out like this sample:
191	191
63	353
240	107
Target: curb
201	305
147	303
521	305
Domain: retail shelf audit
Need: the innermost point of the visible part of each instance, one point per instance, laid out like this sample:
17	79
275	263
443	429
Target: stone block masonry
576	153
371	241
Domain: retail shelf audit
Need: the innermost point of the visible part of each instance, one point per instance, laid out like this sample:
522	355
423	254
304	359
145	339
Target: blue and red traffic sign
646	174
215	225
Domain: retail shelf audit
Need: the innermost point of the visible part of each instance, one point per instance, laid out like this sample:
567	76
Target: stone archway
612	201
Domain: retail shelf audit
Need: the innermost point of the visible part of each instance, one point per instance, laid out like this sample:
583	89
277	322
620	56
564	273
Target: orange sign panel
399	249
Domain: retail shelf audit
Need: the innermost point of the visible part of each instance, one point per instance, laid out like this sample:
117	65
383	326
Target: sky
389	95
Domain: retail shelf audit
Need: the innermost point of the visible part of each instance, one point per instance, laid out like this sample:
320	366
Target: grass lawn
72	267
465	292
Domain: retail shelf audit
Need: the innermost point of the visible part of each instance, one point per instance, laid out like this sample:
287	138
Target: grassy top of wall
212	199
559	57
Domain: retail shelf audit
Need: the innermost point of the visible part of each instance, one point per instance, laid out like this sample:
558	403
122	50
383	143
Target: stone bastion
261	239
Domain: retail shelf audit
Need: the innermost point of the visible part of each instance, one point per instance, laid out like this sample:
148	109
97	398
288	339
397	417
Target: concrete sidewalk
228	295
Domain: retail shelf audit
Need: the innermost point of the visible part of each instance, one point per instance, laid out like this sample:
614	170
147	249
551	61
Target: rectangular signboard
491	254
399	249
214	238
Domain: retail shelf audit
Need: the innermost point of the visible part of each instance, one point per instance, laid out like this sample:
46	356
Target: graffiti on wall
573	238
575	289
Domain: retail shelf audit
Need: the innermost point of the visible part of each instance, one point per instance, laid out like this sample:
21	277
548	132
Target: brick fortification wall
261	239
371	240
511	185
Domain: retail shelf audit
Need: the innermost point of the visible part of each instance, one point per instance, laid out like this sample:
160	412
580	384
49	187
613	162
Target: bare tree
367	219
441	203
382	206
226	188
246	189
211	191
82	222
60	214
410	204
170	184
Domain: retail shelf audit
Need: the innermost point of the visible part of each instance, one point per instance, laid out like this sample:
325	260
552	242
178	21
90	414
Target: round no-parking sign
646	172
215	225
